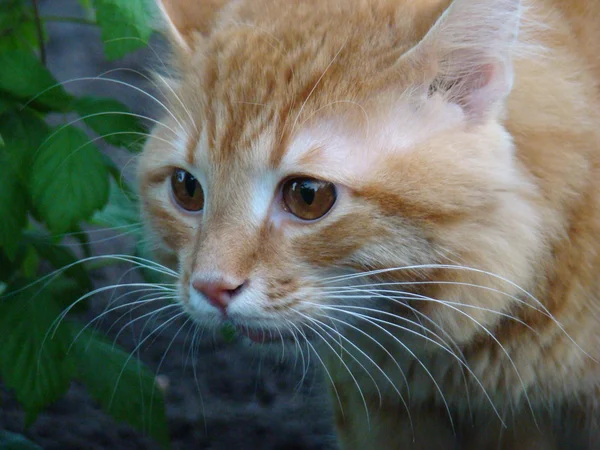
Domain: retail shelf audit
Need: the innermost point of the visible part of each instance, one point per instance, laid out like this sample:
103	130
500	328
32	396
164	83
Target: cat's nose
220	293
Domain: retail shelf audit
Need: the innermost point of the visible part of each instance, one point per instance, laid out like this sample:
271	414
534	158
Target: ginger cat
407	189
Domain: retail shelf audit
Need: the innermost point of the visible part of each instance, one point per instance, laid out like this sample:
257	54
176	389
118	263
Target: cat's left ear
466	55
188	20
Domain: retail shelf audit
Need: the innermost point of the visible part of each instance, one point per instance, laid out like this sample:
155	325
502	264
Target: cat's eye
187	190
308	198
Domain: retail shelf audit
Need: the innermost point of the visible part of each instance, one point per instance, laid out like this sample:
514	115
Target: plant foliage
54	180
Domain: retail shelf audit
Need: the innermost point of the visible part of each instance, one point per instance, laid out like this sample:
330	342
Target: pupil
307	192
190	185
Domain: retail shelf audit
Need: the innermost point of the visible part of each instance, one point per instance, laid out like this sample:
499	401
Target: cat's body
456	153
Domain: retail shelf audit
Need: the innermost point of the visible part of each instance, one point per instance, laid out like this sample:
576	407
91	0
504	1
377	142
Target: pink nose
219	293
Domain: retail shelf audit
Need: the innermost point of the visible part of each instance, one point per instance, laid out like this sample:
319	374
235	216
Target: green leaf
21	265
24	76
229	332
112	120
13	207
59	256
23	132
86	4
124	387
30	263
121	211
17	27
125	25
5	104
2	144
6	267
22	37
11	9
33	362
65	292
14	441
71	180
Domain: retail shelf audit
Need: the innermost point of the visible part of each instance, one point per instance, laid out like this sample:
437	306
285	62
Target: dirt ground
236	399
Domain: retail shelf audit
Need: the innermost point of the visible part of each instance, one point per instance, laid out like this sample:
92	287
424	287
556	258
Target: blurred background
217	394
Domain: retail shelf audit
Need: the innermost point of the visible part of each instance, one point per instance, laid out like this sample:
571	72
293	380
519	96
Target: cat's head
304	143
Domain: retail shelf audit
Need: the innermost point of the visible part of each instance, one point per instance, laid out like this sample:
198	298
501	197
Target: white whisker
372	320
106	113
162	359
426	370
347	277
119	82
92	231
115	308
337	395
362	396
141	262
150	314
449	283
317	84
321	324
396	296
163	82
394	387
166	323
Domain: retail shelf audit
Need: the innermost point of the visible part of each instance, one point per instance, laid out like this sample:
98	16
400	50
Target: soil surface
235	398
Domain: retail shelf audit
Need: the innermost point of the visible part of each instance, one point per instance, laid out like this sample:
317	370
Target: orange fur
463	138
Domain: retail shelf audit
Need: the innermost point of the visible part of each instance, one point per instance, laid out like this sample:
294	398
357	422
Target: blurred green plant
54	181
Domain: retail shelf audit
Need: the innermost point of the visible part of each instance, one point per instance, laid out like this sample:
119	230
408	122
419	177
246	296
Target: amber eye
308	198
187	190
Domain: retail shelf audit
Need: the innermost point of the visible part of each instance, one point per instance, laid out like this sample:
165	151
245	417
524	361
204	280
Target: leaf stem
40	31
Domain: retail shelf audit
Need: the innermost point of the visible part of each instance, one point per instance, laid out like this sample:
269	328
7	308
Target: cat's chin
266	336
257	336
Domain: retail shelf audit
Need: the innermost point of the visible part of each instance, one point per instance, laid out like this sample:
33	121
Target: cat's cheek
174	229
336	242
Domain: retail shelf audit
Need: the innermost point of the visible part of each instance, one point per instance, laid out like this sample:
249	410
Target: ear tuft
468	53
186	20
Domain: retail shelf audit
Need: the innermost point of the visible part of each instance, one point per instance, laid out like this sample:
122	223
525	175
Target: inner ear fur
467	54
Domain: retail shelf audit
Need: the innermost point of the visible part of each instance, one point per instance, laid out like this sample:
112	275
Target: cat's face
307	144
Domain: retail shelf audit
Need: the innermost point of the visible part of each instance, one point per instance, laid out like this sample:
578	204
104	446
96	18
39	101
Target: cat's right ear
467	54
188	20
